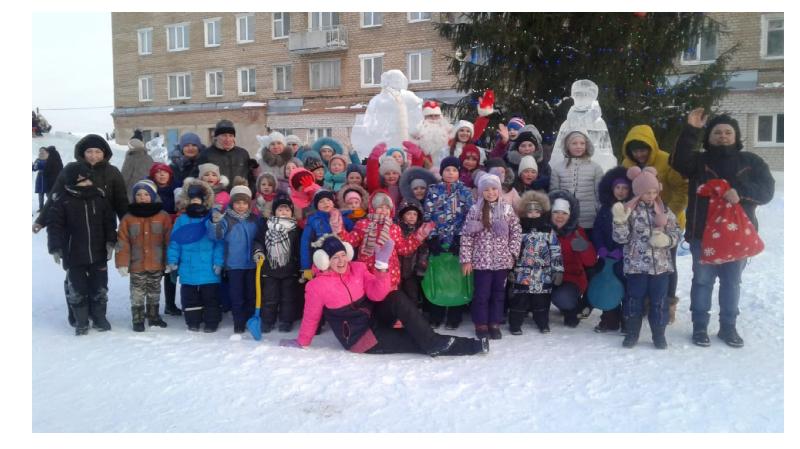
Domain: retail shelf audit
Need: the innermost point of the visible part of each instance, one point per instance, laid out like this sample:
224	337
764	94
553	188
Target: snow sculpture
157	150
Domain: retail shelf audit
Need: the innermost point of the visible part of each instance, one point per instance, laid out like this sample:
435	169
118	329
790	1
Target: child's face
526	148
354	178
410	217
326	154
463	135
288	169
319	174
93	155
353	202
470	163
383	210
337	166
533	213
325	205
241	206
513	133
576	146
283	211
649	196
196	200
621	191
161	178
276	147
210	177
559	218
491	194
391	178
420	192
450	174
398	157
266	187
142	197
528	176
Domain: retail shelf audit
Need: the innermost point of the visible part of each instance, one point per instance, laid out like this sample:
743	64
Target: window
145	88
324	75
213	31
282	78
214	83
145	41
245	28
371	19
315	134
180	86
702	51
772	36
178	37
247	81
770	130
323	20
418	16
280	25
371	69
419	66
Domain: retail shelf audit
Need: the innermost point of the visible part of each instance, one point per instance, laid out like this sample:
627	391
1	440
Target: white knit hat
291	138
527	162
560	204
241	191
464	124
275	136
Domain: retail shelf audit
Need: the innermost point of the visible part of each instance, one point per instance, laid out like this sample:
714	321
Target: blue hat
322	193
190	138
148	186
516	123
196	191
328	246
449	161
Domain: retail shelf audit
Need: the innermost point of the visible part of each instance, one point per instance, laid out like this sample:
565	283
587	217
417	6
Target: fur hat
282	201
275	136
196	191
313	163
516	123
449	161
389	164
527	163
224	127
469	150
148	186
322	194
202	169
328	245
533	200
240	191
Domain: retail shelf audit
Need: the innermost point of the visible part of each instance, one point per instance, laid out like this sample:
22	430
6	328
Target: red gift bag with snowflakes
729	234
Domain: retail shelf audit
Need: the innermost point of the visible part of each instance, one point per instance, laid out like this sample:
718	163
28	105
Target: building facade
308	74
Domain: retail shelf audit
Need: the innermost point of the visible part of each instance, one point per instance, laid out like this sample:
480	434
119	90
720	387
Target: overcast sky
72	68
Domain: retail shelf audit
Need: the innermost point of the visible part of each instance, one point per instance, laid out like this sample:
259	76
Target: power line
71	109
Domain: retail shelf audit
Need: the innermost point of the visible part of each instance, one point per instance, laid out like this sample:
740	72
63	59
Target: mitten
335	221
659	240
378	151
216	215
123	271
620	213
290	343
36	228
258	255
382	255
579	244
472	227
731	196
57	257
616	254
500	227
308	275
217	270
110	250
602	252
558	278
425	230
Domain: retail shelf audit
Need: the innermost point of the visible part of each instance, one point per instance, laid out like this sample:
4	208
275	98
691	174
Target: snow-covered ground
572	380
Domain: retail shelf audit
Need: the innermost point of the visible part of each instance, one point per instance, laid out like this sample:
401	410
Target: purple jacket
485	249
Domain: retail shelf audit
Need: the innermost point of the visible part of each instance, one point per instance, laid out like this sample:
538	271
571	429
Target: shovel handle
258	282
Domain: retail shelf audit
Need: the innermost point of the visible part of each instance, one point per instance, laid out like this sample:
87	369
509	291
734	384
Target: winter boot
481	330
451	345
285	326
81	314
494	332
571	318
153	318
137	316
634	326
515	329
70	315
673	305
210	328
172	309
542	320
98	313
267	327
659	339
728	334
700	335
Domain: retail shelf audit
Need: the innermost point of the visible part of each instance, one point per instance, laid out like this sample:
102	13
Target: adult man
433	132
232	160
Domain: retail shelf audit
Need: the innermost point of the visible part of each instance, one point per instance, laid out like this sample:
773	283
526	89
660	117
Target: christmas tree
530	60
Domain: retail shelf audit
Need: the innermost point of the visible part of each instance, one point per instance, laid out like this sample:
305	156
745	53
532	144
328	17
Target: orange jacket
142	242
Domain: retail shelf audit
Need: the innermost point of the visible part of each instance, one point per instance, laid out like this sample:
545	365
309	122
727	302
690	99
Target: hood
182	199
343	191
645	134
274	160
92	141
385	192
720	120
411	174
589	144
605	190
333	143
530	196
135	145
572	222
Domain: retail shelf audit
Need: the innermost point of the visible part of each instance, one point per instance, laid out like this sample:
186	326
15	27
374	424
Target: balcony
318	41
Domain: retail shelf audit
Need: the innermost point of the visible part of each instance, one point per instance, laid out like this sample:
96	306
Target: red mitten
378	151
417	156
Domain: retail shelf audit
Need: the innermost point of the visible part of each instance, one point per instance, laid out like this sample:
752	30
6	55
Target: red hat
159	166
470	150
431	107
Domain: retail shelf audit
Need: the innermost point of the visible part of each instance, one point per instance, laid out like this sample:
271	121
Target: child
317	225
283	183
352	201
614	187
197	260
40	165
389	178
317	168
142	242
527	175
161	175
277	242
579	175
414	185
236	228
266	186
335	176
462	135
355	175
576	252
508	135
446	205
648	229
497	167
539	267
275	155
209	173
490	243
414	265
82	231
301	191
470	161
399	156
525	145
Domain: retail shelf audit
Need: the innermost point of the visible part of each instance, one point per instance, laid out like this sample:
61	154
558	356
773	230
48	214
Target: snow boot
515	329
494	332
238	328
171	309
81	314
673	305
481	330
284	326
634	326
210	328
267	327
728	334
153	318
99	320
137	317
700	336
659	339
571	318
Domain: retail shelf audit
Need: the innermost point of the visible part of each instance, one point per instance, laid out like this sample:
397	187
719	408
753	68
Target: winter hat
494	162
159	166
340	157
527	136
431	107
406	206
324	146
389	164
313	163
391	151
449	161
196	191
358	168
322	194
619	181
464	124
224	127
350	193
488	180
526	163
469	150
148	186
381	199
282	201
202	169
328	245
190	138
275	136
561	205
240	191
533	200
137	134
645	180
92	141
418	182
516	123
75	173
723	119
291	138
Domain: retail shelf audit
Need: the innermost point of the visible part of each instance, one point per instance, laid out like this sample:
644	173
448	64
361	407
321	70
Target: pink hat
645	180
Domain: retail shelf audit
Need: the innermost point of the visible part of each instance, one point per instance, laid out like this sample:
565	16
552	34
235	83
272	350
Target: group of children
526	243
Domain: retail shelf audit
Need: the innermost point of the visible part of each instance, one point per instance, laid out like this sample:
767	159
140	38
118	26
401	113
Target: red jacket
576	262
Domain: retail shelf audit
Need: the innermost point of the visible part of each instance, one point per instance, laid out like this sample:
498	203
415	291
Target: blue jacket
447	207
317	224
195	260
39	165
237	236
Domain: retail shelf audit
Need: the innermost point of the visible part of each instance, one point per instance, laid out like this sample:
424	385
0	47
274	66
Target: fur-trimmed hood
348	187
411	174
182	199
529	197
589	145
331	142
279	160
605	190
574	213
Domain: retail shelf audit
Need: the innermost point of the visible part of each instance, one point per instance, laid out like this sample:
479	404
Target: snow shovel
254	323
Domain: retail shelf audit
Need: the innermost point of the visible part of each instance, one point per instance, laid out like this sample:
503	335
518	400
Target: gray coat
635	234
136	165
580	177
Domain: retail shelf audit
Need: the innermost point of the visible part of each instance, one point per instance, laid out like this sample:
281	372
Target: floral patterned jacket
639	256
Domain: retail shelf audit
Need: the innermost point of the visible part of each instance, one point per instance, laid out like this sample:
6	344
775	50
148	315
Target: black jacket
184	168
233	163
292	268
744	171
80	224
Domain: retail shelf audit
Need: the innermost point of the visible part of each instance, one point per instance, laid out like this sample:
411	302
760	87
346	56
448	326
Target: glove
123	271
659	240
308	275
290	343
57	257
731	196
110	250
335	221
620	213
425	230
558	278
579	244
36	228
616	254
382	255
602	253
216	215
217	270
472	227
258	255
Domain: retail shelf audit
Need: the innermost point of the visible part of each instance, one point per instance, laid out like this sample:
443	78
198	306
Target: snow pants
242	295
200	304
488	297
278	297
640	286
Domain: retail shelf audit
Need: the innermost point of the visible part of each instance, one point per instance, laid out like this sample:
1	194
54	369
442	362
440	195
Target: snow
572	380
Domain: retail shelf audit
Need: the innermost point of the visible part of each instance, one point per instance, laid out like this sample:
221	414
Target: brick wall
745	107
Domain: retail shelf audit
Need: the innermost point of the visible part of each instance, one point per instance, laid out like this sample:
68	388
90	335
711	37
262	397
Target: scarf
357	214
372	238
233	214
276	240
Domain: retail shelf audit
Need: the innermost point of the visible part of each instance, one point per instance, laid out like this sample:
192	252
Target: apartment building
308	74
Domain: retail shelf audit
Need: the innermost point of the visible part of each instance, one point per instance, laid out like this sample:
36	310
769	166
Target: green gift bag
443	284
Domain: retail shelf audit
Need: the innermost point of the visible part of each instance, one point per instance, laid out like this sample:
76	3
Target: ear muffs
322	261
348	248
